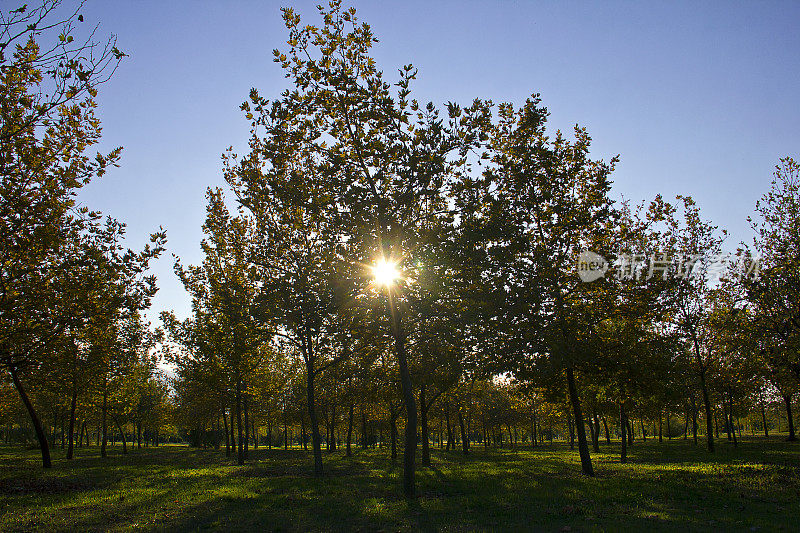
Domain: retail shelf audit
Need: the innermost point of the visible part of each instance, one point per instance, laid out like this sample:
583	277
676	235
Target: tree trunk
239	450
764	419
333	428
349	430
464	436
669	427
316	443
726	418
583	448
706	401
631	429
104	421
246	419
423	410
37	424
254	431
409	452
623	426
787	400
363	428
227	435
393	429
72	404
286	429
449	427
686	423
571	429
122	434
605	427
730	419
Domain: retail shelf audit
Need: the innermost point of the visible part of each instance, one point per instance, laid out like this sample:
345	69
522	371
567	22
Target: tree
224	291
772	292
545	201
48	82
691	249
379	157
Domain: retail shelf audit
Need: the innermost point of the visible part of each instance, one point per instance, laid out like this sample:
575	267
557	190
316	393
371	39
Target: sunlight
385	272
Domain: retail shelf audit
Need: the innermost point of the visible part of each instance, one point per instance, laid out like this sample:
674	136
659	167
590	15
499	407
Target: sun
385	272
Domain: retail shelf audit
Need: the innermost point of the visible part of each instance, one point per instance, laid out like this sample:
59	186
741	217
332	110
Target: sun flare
385	272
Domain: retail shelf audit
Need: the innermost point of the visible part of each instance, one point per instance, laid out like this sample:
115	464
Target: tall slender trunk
787	400
464	435
303	434
623	426
333	428
423	410
669	427
37	424
122	434
246	419
605	427
764	419
72	404
349	430
583	447
104	421
363	428
393	429
239	450
285	430
316	444
706	401
410	449
726	418
631	430
449	427
227	435
730	418
571	429
686	423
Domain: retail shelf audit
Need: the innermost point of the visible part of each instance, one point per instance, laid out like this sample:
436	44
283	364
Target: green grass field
673	486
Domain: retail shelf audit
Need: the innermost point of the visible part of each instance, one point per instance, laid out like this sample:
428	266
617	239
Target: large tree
48	84
543	201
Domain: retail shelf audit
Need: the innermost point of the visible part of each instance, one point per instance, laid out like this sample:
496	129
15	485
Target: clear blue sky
697	98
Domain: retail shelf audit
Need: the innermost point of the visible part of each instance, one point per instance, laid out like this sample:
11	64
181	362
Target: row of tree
380	247
71	333
460	271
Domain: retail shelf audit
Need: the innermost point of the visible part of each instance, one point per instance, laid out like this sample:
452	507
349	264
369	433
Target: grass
663	487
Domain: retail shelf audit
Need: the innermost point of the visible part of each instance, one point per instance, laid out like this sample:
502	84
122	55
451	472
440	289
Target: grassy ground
663	487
